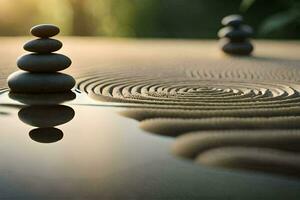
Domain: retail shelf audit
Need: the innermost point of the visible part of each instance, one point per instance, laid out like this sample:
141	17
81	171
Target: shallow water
94	152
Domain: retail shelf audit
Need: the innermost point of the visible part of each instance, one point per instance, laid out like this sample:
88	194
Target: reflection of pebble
43	111
234	36
46	116
43	99
43	65
46	135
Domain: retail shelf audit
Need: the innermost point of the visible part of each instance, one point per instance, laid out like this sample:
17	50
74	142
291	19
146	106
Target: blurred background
278	19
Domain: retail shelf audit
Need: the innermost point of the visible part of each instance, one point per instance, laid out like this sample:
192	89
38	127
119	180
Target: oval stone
25	82
51	62
44	30
232	20
43	45
236	34
236	48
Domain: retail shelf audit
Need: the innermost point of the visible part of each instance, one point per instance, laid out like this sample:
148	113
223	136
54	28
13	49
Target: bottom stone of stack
26	82
236	48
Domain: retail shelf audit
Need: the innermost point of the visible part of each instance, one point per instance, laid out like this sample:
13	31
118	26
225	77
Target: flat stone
236	34
236	48
51	62
44	45
232	20
44	30
25	82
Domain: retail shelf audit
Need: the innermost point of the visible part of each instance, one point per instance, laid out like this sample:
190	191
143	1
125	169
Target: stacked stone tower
39	70
234	37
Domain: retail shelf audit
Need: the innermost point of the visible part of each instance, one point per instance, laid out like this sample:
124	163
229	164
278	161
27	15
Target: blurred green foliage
285	23
150	18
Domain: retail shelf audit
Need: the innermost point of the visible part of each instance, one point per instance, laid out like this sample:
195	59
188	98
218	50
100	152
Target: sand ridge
228	100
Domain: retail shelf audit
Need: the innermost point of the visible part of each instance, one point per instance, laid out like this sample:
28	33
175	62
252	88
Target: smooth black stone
43	99
46	115
25	82
43	45
236	34
44	30
232	20
51	62
236	48
46	135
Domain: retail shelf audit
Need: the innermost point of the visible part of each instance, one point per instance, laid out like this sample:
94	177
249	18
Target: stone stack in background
234	37
39	70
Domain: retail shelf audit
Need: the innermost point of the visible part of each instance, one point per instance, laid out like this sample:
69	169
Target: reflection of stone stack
44	112
41	67
234	37
46	117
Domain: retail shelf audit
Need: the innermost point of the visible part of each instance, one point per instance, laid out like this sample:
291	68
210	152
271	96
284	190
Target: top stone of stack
44	30
232	20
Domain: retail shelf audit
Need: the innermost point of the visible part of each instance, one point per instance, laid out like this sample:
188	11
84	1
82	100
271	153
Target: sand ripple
229	111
